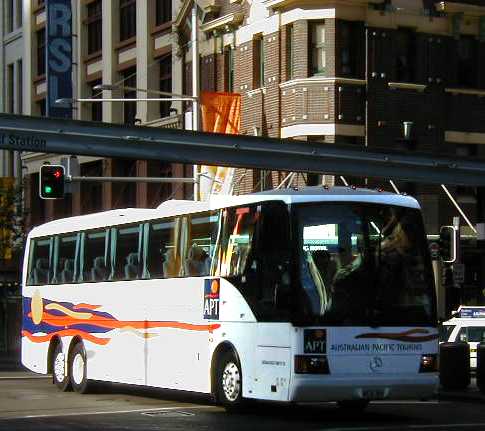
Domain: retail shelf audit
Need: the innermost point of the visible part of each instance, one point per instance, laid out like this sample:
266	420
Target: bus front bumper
306	388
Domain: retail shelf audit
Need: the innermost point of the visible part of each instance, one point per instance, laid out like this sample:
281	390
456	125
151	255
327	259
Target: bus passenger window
128	253
197	261
93	262
64	260
39	261
161	262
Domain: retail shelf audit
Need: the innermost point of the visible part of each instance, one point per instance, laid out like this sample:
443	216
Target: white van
468	324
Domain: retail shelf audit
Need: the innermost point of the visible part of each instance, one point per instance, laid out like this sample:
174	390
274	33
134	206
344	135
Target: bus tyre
353	405
59	376
229	381
78	369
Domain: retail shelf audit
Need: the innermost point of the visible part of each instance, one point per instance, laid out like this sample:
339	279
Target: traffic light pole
131	179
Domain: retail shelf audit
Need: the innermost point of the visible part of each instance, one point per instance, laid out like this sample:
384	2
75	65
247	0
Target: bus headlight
429	364
305	364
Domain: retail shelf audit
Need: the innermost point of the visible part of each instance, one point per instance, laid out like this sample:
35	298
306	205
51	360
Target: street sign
59	57
459	273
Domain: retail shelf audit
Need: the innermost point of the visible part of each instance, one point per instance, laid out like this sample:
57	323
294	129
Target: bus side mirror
448	243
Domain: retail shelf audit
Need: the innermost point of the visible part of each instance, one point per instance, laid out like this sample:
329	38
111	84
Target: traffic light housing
51	182
448	243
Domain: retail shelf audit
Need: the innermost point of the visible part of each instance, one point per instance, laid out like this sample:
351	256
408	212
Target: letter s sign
59	57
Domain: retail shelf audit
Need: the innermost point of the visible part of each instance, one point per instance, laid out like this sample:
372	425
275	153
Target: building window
96	107
94	22
127	19
290	52
20	87
10	89
9	16
163	11
467	61
258	62
42	107
165	83
317	47
19	17
129	108
405	55
348	44
41	52
229	69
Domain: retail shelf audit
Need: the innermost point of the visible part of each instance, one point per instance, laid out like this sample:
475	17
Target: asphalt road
30	403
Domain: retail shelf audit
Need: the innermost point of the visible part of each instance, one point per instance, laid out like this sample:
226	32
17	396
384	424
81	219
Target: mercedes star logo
375	364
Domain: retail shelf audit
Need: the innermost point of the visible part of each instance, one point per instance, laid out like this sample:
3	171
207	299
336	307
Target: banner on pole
221	113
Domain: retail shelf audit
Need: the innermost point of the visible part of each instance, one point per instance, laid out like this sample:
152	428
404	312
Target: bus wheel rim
78	369
231	381
59	367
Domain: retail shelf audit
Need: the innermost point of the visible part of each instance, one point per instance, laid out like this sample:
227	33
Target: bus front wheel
59	376
229	381
78	369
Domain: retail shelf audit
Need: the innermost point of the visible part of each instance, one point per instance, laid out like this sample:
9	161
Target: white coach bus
313	295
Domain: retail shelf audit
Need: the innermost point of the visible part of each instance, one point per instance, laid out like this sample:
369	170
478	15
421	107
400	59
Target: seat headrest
42	263
99	262
132	259
69	264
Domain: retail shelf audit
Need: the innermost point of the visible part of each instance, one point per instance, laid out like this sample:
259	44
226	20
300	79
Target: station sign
59	57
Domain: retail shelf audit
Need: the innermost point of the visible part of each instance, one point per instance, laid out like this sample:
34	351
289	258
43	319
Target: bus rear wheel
78	369
59	376
229	381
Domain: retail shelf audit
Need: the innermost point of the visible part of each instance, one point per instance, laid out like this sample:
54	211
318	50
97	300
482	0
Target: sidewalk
10	362
472	393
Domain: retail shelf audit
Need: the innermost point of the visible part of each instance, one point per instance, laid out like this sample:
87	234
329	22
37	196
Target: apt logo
212	290
315	341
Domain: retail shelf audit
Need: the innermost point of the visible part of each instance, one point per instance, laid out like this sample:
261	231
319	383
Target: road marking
407	427
107	412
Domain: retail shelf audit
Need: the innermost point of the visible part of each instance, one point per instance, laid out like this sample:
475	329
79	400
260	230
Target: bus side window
94	257
197	261
160	249
64	256
127	256
39	263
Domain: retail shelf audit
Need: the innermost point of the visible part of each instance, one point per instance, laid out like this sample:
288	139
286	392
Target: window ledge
323	80
469	91
126	43
260	90
407	86
94	56
165	27
39	78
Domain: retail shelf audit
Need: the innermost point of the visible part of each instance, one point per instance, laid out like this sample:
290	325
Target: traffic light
51	183
448	243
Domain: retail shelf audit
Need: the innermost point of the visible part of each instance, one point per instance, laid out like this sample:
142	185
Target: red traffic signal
51	182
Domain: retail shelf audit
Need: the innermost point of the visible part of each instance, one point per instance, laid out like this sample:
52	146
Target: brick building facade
353	72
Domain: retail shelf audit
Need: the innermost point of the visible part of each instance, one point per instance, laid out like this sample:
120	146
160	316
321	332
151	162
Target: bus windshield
363	264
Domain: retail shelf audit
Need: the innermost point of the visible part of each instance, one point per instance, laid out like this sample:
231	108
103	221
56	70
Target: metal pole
195	91
455	203
395	187
132	179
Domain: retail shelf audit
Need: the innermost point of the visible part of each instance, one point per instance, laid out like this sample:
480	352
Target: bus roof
178	207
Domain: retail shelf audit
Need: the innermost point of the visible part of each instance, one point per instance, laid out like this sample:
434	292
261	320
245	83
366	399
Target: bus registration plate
373	394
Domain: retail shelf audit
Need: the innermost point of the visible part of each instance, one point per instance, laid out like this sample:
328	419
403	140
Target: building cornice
407	86
276	4
319	80
467	9
231	20
467	91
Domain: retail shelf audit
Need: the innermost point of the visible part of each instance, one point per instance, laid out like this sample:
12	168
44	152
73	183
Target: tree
12	218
